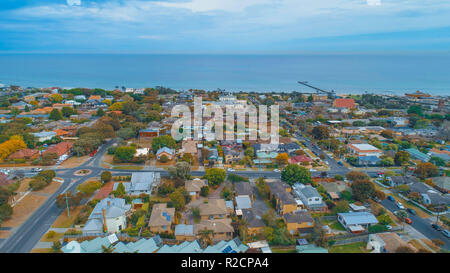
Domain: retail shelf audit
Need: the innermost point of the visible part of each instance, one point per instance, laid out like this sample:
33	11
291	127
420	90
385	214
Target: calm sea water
342	73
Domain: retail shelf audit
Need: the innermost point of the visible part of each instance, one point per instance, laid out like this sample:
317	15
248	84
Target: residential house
62	149
442	183
149	132
168	152
281	193
193	187
298	222
401	180
310	197
300	160
141	183
189	147
357	222
370	160
185	232
43	136
254	222
26	154
161	218
231	156
443	154
289	148
387	242
221	229
335	189
109	215
244	189
416	154
214	209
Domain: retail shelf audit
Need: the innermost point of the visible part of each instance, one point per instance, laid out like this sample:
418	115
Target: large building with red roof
344	103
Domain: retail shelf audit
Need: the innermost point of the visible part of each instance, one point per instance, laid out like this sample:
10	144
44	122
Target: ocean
259	73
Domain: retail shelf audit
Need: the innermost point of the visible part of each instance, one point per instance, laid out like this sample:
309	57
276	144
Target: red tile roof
60	148
25	153
299	159
344	103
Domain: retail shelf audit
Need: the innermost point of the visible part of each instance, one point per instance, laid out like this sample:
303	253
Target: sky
224	26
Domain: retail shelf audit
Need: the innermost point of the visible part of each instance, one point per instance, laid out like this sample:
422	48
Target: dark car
413	212
446	233
436	227
390	198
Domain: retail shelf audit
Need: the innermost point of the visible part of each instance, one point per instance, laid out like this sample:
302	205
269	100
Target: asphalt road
421	225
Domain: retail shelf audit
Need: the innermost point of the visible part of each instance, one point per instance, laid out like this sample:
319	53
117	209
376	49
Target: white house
43	136
357	222
142	182
109	215
309	196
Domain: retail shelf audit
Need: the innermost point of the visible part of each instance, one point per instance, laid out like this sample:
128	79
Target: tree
106	176
437	161
363	190
56	247
282	159
250	152
341	206
426	169
68	111
204	191
177	199
415	109
126	133
294	173
163	141
164	159
355	175
401	158
180	170
320	132
124	153
187	157
215	176
120	190
55	114
100	112
387	161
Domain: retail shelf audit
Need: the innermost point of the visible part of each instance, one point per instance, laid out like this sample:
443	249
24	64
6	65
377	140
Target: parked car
400	205
340	163
436	227
376	199
389	227
408	220
411	211
390	198
277	170
446	233
230	169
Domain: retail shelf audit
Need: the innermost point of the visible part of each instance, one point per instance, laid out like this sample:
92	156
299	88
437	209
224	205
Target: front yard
359	247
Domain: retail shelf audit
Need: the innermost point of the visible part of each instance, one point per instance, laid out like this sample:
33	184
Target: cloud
74	2
215	5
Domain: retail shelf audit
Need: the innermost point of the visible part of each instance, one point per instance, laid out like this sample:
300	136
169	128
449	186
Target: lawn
349	248
66	222
41	250
55	238
128	167
283	250
337	226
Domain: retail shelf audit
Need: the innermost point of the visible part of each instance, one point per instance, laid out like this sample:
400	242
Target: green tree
55	114
163	141
401	158
415	109
177	199
124	153
250	152
100	112
294	173
426	169
363	190
106	176
204	191
321	132
215	176
120	190
180	170
67	111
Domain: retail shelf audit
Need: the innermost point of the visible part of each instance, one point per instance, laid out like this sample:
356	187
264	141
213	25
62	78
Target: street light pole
67	205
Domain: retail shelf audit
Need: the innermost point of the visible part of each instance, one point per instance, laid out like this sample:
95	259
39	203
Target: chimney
105	228
109	203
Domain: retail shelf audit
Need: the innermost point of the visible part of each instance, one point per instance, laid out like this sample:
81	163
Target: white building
364	150
109	215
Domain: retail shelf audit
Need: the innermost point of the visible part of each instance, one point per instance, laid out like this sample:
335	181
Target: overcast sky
224	26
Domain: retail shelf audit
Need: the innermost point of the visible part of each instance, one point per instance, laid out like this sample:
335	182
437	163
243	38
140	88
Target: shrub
377	228
51	234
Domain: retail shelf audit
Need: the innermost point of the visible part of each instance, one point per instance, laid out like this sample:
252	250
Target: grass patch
66	222
283	250
337	226
128	167
53	238
349	248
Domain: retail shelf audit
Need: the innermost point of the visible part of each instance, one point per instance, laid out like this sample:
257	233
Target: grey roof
252	219
186	230
243	202
358	218
398	180
93	226
109	204
309	192
298	217
243	188
442	182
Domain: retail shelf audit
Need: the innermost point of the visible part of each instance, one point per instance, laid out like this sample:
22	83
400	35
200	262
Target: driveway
259	206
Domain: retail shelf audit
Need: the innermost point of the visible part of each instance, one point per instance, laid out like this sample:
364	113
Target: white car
277	170
400	205
389	227
231	170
